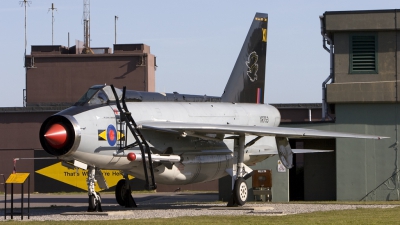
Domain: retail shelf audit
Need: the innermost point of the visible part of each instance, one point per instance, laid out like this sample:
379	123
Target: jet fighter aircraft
176	138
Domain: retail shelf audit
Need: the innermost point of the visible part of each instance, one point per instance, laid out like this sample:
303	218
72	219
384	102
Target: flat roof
297	105
59	108
32	109
361	11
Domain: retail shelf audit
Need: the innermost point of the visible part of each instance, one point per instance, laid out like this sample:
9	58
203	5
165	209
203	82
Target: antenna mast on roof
115	28
86	27
52	21
24	3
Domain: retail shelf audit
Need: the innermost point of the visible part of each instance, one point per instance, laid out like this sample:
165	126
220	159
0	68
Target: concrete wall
280	180
20	131
379	87
361	20
365	167
386	59
367	88
19	136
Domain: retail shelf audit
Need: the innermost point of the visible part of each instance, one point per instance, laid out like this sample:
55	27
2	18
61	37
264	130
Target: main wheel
120	192
241	191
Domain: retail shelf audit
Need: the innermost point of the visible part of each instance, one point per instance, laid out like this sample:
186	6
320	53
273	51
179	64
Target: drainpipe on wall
325	39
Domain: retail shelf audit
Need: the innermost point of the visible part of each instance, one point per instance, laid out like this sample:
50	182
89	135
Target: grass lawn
358	216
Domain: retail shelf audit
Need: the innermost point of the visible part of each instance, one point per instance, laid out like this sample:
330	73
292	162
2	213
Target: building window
363	53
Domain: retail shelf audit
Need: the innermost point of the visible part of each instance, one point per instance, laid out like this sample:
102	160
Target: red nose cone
56	136
131	156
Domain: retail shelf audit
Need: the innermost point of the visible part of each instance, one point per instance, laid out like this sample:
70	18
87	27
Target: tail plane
247	81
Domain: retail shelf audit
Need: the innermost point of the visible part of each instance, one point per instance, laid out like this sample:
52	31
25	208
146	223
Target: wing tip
379	138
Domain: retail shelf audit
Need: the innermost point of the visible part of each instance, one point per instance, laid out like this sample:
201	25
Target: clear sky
196	42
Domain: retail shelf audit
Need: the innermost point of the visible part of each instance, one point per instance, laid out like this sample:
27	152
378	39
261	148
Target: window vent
363	54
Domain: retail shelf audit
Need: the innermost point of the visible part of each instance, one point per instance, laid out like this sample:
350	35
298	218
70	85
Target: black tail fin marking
247	81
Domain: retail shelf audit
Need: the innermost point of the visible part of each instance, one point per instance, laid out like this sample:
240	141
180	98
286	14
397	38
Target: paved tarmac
108	199
55	207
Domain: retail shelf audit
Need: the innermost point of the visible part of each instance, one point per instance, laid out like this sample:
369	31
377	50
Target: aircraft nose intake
60	135
56	136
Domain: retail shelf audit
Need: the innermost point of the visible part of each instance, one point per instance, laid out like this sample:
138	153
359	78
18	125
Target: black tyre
92	203
120	192
99	202
241	191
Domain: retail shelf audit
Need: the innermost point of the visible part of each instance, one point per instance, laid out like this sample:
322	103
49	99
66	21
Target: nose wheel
95	203
94	198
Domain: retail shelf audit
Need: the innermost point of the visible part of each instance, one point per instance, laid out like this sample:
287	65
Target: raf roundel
111	135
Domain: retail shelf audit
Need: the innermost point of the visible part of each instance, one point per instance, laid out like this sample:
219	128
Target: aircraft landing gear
94	198
95	203
240	190
239	193
123	193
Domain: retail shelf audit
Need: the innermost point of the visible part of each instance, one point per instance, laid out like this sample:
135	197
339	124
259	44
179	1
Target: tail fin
247	80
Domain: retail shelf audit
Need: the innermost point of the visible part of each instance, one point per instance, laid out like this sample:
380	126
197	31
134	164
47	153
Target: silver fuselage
201	160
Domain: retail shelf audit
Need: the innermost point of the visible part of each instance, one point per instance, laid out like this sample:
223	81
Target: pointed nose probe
56	136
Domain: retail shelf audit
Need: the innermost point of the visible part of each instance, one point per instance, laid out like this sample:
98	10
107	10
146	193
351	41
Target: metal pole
25	30
22	201
12	200
25	2
24	103
115	29
89	25
29	196
52	23
5	200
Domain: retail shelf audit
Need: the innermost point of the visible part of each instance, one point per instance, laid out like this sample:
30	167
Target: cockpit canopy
98	95
102	95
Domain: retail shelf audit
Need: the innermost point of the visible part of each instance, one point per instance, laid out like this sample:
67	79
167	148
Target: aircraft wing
185	128
295	151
